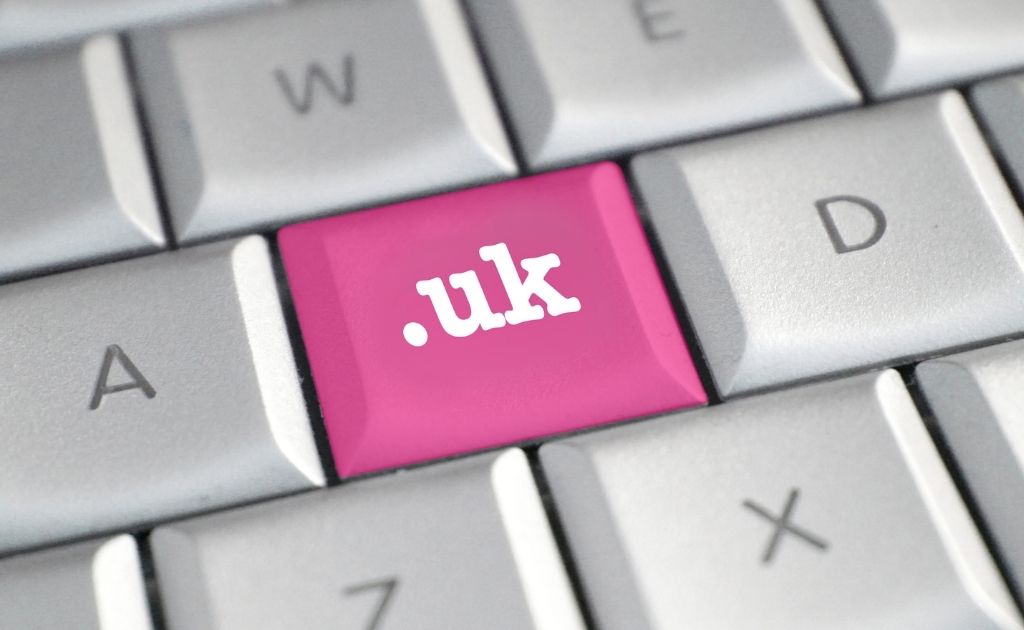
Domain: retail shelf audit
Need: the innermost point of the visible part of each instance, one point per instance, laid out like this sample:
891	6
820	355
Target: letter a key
103	388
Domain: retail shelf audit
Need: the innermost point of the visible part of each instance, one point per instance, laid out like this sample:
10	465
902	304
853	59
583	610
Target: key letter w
343	90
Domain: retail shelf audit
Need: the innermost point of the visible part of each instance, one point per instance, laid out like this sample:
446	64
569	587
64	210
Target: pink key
483	317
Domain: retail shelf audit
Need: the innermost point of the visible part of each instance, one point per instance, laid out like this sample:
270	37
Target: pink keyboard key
484	317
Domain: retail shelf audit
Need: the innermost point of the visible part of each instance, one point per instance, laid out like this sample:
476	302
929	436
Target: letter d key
850	205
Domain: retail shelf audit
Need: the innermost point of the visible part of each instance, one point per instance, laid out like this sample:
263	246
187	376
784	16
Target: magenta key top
484	317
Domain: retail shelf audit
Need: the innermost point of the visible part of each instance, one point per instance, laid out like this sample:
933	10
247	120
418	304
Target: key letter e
831	207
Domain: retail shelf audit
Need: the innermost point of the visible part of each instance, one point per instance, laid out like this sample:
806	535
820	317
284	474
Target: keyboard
511	314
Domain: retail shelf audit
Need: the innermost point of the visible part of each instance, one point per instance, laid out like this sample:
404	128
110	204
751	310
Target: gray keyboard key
32	22
284	114
978	401
905	45
821	507
89	586
463	544
73	172
1000	103
864	238
146	389
590	78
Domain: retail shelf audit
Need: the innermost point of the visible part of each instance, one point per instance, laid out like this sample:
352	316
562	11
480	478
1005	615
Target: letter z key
484	317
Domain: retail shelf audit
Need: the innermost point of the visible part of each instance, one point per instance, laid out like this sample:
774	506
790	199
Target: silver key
821	507
32	22
586	78
978	401
1000	103
73	173
146	389
458	545
859	239
905	45
89	586
280	115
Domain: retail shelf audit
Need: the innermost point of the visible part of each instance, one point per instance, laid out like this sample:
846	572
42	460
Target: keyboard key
409	370
905	45
461	545
586	78
1000	103
821	507
865	238
89	586
144	390
978	403
73	172
281	115
31	22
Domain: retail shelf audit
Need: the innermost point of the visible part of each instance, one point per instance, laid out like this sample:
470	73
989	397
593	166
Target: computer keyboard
509	314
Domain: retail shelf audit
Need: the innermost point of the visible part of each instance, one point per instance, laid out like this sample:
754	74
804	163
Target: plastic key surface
269	117
483	317
88	586
820	507
74	183
863	238
147	389
977	399
904	45
458	545
40	22
594	78
1000	103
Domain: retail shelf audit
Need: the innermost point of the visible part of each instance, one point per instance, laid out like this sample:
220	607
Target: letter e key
657	20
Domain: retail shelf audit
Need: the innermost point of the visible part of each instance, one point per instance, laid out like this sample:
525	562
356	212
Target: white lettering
481	317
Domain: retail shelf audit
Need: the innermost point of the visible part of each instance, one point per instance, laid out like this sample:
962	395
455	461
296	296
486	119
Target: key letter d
846	204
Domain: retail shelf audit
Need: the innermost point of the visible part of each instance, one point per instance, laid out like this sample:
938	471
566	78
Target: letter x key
783	524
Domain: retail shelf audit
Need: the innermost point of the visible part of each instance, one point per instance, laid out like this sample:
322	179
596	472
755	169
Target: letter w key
341	88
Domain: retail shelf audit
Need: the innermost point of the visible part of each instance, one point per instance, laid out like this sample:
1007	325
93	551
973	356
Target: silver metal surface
280	115
904	45
89	586
74	183
859	239
457	545
978	401
1000	103
36	22
587	78
144	390
821	507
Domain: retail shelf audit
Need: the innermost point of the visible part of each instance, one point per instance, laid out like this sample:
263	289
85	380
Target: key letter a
103	388
343	91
